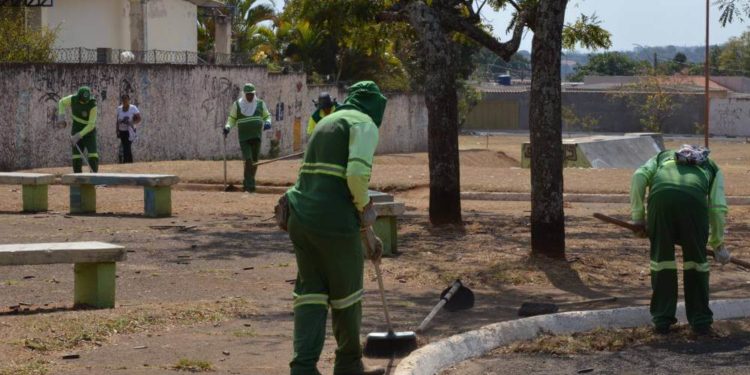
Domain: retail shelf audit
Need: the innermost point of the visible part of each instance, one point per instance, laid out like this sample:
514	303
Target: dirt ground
210	288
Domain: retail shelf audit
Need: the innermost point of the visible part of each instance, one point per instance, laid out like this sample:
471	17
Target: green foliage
734	57
19	43
732	9
248	30
571	120
468	98
587	32
609	64
652	97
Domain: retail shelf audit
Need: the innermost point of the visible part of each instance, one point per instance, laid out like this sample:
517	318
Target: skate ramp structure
605	151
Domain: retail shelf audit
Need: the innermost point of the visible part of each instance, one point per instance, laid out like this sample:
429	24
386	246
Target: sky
642	22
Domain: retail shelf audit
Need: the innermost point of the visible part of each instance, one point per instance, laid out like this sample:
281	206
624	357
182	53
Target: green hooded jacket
333	179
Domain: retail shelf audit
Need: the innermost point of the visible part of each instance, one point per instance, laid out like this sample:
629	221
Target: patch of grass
69	331
35	367
244	333
10	282
598	340
193	365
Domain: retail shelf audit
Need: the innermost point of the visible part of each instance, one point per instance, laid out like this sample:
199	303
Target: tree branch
505	50
515	5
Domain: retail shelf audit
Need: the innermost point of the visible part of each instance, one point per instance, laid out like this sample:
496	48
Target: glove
267	125
641	231
75	138
373	244
368	215
721	255
60	122
225	131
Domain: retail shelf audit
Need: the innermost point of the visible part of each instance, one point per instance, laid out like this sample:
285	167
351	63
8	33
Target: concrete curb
572	197
439	355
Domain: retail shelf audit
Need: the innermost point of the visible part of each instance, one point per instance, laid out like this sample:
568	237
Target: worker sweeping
330	215
325	106
251	117
83	132
686	198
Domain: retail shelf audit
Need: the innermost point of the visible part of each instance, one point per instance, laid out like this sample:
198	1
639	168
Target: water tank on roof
503	79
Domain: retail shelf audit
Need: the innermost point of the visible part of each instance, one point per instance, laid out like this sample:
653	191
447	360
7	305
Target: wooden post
95	285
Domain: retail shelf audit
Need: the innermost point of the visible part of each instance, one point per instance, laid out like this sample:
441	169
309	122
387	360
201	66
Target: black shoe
661	330
367	370
703	330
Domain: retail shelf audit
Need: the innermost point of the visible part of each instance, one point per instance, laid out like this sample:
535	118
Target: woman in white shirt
128	117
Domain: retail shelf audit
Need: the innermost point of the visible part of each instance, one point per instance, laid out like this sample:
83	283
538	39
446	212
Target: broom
388	344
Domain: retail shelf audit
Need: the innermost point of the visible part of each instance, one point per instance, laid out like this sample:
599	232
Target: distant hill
694	54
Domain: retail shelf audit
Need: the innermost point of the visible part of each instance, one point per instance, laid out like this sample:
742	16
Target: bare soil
210	287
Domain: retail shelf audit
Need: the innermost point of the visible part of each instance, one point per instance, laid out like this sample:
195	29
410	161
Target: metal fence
121	56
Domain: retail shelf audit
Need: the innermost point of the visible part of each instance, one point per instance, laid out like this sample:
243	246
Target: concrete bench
157	190
95	266
34	188
386	226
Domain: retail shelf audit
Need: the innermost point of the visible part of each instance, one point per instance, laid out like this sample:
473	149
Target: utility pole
707	112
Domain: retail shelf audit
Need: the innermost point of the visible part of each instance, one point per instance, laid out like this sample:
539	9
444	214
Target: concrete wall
172	25
86	23
736	84
613	112
183	106
404	127
730	117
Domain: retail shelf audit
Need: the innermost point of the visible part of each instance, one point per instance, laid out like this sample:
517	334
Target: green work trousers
330	272
87	144
678	218
250	153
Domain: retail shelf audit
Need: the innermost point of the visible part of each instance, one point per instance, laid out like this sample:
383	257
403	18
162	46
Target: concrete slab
17	178
604	151
60	252
119	179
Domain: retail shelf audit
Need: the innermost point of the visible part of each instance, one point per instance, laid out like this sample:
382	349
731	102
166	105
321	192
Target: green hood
84	94
365	96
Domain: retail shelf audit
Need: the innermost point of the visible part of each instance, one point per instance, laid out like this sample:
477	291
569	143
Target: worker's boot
366	370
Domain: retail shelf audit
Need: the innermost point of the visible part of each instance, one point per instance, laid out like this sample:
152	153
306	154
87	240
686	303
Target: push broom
388	344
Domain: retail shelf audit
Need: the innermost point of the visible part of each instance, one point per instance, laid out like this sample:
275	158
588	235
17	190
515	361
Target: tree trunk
545	121
442	113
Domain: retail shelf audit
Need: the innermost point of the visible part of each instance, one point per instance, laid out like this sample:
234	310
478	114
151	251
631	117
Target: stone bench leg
386	228
34	198
82	199
95	285
157	201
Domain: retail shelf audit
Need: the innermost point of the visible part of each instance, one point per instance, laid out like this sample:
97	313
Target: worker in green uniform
83	132
251	117
685	199
330	216
325	106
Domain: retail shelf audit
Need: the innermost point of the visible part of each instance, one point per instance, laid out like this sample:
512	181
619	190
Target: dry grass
35	367
53	333
601	340
193	365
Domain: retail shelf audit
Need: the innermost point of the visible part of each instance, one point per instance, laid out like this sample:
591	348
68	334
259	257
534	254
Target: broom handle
439	306
225	162
277	159
633	228
382	295
84	157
